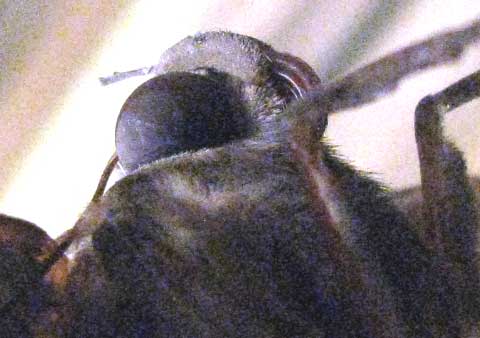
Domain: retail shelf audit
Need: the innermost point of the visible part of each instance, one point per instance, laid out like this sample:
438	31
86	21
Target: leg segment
381	77
395	266
449	203
449	199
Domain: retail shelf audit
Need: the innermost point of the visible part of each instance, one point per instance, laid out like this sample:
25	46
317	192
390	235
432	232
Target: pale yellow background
57	123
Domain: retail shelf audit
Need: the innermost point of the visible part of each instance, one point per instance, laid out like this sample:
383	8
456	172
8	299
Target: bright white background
57	123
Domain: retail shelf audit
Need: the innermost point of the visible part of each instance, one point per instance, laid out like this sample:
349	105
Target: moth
237	219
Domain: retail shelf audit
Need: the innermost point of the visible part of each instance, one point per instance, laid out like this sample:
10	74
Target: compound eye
179	112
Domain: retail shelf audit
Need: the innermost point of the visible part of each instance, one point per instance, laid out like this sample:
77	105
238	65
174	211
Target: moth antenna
119	76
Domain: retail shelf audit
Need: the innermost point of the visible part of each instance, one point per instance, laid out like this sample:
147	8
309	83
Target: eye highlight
180	112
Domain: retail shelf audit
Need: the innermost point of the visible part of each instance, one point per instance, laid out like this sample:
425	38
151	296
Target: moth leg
53	254
449	200
390	252
107	172
380	78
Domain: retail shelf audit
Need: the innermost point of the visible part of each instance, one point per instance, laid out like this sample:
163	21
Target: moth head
211	89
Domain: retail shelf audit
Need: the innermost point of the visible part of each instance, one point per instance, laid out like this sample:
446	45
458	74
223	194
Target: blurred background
57	123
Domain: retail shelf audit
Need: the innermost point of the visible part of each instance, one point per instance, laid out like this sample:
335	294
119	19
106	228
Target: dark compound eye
180	112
